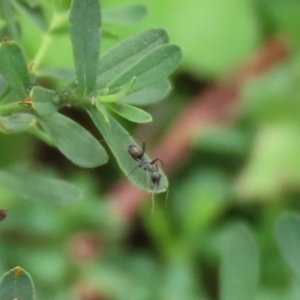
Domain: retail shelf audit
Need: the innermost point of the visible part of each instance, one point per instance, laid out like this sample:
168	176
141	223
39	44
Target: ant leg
132	171
152	198
144	147
155	160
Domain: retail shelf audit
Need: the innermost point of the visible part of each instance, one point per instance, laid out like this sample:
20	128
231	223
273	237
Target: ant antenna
132	170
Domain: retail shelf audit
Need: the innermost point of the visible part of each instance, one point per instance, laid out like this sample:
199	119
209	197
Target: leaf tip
31	66
17	272
5	39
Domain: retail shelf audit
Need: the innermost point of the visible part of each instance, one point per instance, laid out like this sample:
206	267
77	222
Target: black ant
138	155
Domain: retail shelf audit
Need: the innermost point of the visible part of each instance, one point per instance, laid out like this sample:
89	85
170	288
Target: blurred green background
231	230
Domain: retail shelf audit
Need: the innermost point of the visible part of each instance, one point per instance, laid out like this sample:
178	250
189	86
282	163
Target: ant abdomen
135	152
155	178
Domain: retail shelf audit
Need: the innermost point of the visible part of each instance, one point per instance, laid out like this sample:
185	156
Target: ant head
155	177
135	152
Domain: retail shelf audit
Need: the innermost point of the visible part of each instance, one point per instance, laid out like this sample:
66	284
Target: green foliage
44	101
85	20
222	234
239	265
16	284
118	59
118	145
75	142
287	234
40	189
135	66
13	67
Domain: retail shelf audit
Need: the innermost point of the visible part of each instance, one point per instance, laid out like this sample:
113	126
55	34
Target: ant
138	155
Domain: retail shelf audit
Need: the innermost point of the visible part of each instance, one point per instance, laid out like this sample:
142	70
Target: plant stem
15	107
42	51
40	134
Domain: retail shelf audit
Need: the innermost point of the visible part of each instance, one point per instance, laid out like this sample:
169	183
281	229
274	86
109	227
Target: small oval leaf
131	113
40	189
13	67
150	94
16	285
16	122
75	142
44	101
154	67
122	56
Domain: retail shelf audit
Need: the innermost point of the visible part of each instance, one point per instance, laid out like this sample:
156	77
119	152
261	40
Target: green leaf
126	15
150	94
8	15
44	101
239	265
16	285
40	189
131	113
116	97
153	67
75	142
3	84
34	13
13	67
287	236
17	122
64	74
4	30
122	56
102	109
85	21
118	139
9	96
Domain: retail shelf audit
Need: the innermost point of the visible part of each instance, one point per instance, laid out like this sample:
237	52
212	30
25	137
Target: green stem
42	51
40	134
8	109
